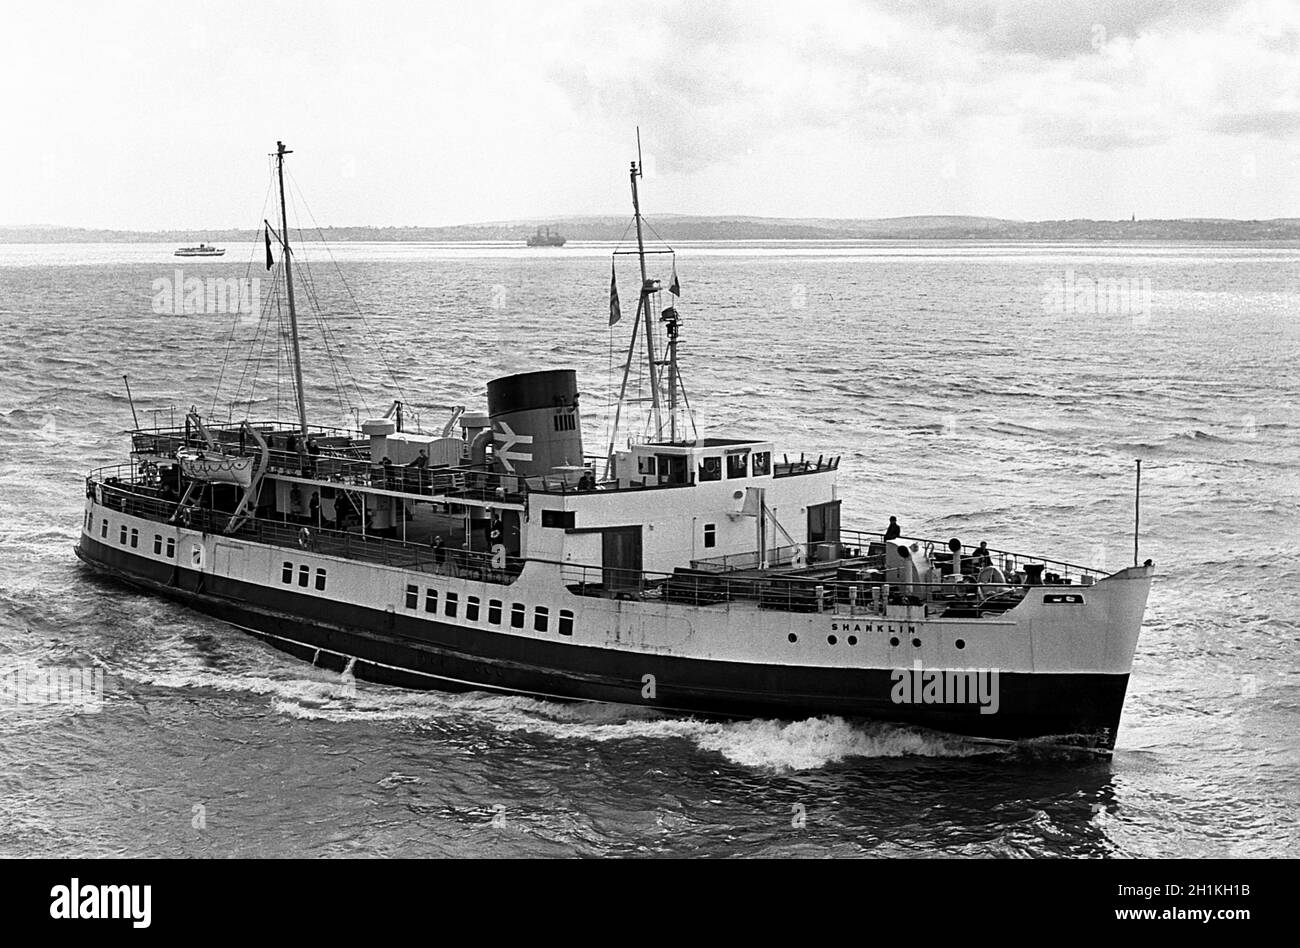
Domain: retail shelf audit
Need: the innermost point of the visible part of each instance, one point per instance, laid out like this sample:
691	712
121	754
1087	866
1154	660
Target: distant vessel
202	250
544	238
696	575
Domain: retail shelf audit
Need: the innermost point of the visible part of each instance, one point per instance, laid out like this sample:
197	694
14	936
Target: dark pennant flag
615	313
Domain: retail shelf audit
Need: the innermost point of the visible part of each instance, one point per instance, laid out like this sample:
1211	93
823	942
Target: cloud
1277	124
712	81
1056	29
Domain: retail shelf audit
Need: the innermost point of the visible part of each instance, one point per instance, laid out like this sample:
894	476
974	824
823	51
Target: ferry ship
545	238
202	250
696	575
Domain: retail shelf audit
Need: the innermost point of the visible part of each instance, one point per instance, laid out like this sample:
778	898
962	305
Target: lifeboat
216	468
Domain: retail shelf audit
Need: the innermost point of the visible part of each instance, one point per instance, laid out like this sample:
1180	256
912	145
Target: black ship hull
389	648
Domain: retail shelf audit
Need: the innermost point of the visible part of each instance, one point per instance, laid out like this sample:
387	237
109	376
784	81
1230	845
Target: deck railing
866	551
150	504
804	465
856	584
793	593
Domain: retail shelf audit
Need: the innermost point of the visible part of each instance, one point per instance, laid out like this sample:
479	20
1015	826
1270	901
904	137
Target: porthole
960	643
894	641
792	637
916	643
853	640
831	639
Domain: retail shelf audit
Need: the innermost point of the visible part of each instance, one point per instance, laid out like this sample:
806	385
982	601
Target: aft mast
650	290
280	152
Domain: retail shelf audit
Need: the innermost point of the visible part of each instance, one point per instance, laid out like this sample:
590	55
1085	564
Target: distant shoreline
681	228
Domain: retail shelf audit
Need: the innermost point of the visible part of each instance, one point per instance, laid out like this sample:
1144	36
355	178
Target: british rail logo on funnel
506	441
918	685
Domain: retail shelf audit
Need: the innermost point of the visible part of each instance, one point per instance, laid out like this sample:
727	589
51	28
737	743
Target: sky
141	115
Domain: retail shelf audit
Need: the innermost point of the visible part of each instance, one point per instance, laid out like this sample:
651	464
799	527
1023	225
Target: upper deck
858	577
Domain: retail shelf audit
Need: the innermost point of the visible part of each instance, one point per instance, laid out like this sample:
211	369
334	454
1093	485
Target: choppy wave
947	416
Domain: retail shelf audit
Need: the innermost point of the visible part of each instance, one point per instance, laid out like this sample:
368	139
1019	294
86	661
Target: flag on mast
270	261
675	287
615	313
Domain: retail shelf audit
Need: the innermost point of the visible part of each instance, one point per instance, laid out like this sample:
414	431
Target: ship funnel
535	422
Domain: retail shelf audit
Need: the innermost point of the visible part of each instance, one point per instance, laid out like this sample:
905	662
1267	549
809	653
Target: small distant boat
202	250
544	238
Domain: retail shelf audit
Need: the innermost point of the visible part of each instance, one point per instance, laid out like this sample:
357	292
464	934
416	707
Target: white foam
766	744
307	693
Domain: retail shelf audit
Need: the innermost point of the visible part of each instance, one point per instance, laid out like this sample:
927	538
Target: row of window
474	606
739	464
304	575
131	537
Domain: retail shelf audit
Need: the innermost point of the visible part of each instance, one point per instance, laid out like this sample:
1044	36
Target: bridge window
286	572
471	608
711	469
645	464
563	519
449	607
412	596
494	611
517	615
738	465
157	544
710	534
566	622
762	463
541	619
320	579
304	575
430	600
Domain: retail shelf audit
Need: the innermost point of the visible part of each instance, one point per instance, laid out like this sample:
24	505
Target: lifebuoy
304	538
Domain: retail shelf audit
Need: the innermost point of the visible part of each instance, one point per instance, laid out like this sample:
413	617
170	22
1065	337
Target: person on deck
418	466
313	509
893	531
982	556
